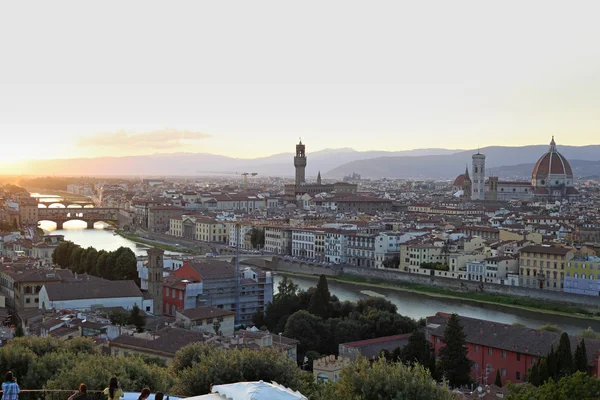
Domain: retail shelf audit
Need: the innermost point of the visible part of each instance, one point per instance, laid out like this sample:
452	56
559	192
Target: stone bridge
66	203
89	215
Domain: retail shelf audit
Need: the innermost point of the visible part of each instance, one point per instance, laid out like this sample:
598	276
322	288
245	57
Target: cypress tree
552	361
543	372
565	356
580	360
498	381
418	350
453	356
319	302
534	376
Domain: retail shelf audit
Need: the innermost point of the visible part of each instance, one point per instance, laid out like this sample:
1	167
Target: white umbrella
257	391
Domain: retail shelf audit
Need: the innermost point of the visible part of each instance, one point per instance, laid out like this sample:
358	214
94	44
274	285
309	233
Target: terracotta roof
213	269
169	340
546	250
373	347
552	163
200	313
93	289
510	337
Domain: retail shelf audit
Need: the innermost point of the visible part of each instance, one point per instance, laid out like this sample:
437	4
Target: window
518	356
489	351
518	376
27	300
476	348
476	366
532	360
489	369
503	353
503	371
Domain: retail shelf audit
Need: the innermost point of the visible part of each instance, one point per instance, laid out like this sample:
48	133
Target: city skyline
390	77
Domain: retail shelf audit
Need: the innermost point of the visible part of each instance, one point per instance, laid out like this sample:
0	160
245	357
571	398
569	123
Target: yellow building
582	276
328	369
543	267
211	230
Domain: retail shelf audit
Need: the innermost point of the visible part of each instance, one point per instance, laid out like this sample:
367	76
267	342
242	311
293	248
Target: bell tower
155	279
478	180
300	163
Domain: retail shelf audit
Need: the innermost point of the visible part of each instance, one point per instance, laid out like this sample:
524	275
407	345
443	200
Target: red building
510	349
181	285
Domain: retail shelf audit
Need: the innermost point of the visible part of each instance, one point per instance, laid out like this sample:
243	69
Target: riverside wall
589	302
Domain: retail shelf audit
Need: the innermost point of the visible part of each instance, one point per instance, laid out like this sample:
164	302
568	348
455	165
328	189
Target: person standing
10	388
81	394
145	394
114	391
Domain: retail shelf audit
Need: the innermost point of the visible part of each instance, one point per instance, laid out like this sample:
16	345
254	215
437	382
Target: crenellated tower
478	180
155	279
300	163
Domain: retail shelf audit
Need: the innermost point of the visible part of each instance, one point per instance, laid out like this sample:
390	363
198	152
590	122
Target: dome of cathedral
552	163
460	180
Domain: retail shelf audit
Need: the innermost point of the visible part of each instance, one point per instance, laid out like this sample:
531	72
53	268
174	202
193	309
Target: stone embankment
302	267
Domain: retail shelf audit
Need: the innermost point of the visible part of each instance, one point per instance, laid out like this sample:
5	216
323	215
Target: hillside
450	165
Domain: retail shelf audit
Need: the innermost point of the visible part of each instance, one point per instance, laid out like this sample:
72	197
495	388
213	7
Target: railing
57	394
51	394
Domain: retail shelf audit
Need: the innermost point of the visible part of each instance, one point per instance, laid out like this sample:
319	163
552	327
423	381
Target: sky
247	79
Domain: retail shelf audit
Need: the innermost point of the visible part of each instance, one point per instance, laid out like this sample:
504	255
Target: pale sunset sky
247	78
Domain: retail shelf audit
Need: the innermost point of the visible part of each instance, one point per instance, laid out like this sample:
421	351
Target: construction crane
244	174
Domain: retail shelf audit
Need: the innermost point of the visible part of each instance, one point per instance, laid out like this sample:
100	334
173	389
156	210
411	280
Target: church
551	180
295	191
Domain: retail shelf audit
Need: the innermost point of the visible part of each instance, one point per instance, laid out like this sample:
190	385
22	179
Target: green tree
589	333
89	264
580	361
498	381
75	261
565	356
453	356
418	350
534	377
319	303
221	366
118	318
125	267
136	318
552	362
362	380
257	238
101	264
543	372
375	303
579	386
550	328
307	328
19	331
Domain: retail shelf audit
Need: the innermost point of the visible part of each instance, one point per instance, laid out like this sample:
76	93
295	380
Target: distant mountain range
505	162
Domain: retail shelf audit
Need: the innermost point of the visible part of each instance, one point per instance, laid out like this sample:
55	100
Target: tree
319	303
75	260
498	381
580	361
257	237
216	327
307	328
589	333
552	362
382	380
565	356
418	350
101	263
534	377
550	328
118	318
89	264
543	372
136	318
222	366
125	267
19	331
453	356
579	386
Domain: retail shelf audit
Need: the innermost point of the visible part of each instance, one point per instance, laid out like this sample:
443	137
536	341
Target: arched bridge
89	215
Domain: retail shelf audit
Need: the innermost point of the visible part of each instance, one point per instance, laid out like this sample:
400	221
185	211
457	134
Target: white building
303	243
336	244
91	294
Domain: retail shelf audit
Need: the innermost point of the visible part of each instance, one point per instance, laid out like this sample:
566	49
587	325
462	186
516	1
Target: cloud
158	139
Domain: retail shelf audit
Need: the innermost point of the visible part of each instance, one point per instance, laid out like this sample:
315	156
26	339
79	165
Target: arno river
409	304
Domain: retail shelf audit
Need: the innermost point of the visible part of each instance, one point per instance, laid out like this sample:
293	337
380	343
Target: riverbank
539	306
138	239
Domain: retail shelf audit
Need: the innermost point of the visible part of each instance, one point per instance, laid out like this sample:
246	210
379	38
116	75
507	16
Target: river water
417	306
413	305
